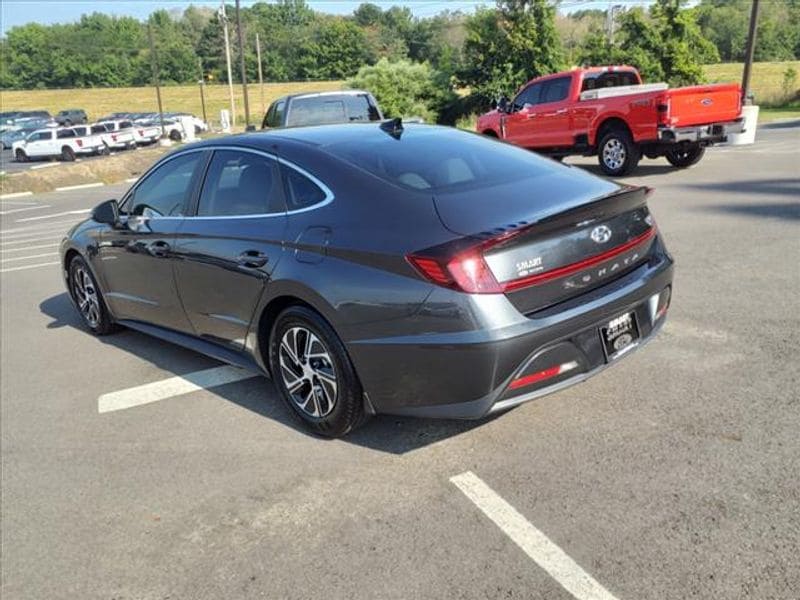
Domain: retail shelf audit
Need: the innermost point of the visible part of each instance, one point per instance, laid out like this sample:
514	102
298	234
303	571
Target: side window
41	136
240	183
125	125
301	192
276	118
164	192
530	95
556	90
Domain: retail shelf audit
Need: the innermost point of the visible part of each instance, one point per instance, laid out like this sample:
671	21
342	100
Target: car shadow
781	124
778	187
394	435
643	170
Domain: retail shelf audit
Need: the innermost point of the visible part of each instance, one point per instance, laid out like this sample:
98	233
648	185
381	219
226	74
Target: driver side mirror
503	104
107	213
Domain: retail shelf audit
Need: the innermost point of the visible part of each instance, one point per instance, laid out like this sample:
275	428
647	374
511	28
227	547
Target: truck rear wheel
685	156
617	154
67	154
21	156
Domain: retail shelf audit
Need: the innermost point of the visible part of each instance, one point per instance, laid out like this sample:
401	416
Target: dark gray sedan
377	268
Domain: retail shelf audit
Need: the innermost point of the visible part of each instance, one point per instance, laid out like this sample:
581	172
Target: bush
405	89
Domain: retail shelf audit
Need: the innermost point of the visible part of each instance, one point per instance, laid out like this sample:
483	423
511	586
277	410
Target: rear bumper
468	374
88	150
711	133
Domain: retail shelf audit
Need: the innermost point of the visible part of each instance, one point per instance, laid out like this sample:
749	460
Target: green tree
509	45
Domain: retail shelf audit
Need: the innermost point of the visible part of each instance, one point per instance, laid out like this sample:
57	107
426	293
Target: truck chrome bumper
715	132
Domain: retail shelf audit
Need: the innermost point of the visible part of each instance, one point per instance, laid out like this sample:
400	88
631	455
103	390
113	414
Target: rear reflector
543	375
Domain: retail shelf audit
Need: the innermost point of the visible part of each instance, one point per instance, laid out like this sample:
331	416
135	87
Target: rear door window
555	90
241	183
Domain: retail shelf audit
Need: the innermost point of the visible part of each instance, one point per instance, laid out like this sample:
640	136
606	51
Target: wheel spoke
292	356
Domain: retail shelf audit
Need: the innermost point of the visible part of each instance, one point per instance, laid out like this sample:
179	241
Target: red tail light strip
575	267
542	375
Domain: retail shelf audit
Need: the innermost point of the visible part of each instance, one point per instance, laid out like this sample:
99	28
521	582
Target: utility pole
202	88
260	74
610	22
751	48
224	18
154	66
241	62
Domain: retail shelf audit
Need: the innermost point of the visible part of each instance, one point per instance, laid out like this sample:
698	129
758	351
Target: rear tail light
80	143
114	136
141	132
466	272
662	110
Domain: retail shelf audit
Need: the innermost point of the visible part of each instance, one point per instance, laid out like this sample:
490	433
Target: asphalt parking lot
673	475
9	165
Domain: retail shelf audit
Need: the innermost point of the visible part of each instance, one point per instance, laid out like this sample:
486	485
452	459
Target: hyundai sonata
378	268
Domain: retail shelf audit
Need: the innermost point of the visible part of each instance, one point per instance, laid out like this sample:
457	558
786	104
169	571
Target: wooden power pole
751	49
260	74
241	62
154	66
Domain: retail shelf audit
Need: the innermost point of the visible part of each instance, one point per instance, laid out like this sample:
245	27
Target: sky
19	12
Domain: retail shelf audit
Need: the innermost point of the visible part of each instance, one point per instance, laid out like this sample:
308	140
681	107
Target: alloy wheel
308	372
86	296
614	154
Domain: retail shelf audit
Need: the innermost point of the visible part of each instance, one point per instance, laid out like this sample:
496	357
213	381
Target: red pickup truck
609	112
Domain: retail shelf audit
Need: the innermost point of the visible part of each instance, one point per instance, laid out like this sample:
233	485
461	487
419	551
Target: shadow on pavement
395	435
780	187
643	170
781	124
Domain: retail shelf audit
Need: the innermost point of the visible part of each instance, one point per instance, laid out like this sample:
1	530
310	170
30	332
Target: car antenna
394	127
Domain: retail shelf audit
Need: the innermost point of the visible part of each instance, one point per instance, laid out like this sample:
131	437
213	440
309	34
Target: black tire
67	154
105	150
685	156
327	373
175	135
617	153
88	299
20	155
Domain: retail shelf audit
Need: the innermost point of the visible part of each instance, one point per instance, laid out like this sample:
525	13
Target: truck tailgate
703	104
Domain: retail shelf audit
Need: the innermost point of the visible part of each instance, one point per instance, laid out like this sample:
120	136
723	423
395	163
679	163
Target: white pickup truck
63	142
146	133
119	134
94	136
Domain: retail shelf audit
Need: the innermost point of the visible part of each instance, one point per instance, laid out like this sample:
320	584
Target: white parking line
16	210
44	166
54	215
167	388
15	195
26	267
40	228
16	203
533	542
26	248
83	186
8	260
56	236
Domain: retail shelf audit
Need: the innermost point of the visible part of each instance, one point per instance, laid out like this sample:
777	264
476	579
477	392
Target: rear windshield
320	110
439	159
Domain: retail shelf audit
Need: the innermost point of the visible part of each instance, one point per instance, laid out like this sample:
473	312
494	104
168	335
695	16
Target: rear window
99	129
604	80
359	108
65	133
125	125
320	110
463	160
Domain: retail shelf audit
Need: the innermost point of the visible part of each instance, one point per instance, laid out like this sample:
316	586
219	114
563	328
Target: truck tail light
662	110
141	132
114	136
80	143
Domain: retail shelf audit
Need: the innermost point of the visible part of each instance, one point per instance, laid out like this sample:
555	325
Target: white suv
44	143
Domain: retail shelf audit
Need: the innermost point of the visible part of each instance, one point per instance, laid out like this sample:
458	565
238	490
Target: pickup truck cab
322	108
609	112
46	143
93	136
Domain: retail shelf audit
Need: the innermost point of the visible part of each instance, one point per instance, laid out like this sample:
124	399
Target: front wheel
617	153
87	298
20	155
313	372
685	156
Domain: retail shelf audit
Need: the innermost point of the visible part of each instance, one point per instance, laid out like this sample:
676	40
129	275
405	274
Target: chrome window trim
329	196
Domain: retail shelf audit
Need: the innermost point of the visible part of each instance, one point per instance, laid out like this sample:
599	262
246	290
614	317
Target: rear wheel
87	298
175	135
67	154
313	372
685	156
617	153
20	155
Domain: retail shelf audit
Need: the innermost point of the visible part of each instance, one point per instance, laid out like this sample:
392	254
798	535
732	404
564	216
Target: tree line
485	53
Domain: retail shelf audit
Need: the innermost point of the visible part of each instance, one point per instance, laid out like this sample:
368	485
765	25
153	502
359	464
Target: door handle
561	111
252	258
530	115
159	249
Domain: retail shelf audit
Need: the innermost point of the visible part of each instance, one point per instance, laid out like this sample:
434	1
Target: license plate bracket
620	335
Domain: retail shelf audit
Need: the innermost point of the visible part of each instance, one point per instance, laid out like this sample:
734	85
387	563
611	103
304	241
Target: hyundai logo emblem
600	234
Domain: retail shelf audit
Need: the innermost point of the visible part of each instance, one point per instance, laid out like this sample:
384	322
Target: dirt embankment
109	169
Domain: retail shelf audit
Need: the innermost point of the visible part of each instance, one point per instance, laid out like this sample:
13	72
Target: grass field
766	81
101	101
